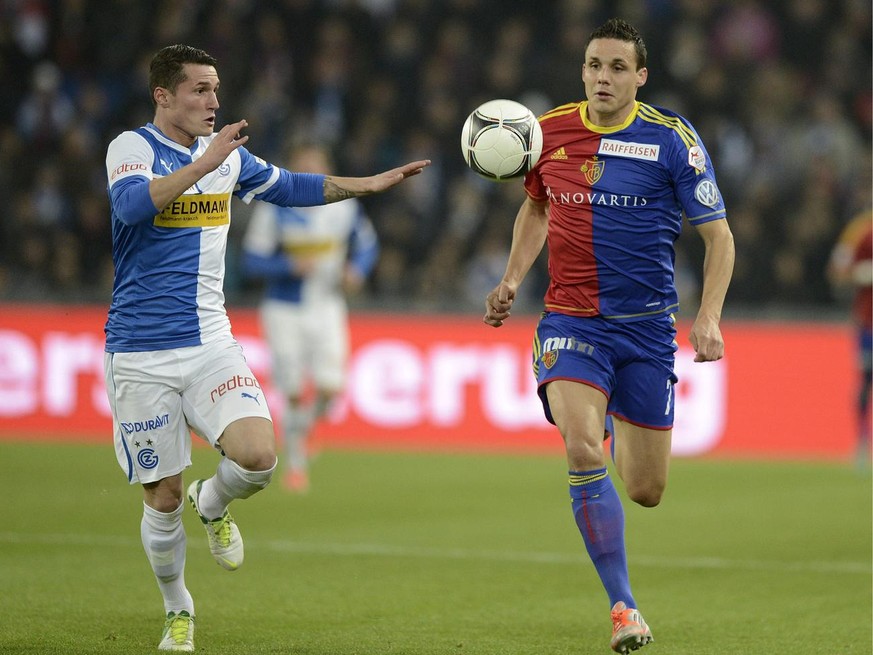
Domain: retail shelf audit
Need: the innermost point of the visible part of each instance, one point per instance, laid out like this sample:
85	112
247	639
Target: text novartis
593	198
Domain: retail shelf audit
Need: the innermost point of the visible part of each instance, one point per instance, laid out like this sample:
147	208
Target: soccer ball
501	139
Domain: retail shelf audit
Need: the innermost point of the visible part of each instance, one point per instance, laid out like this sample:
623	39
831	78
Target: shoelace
178	627
221	530
622	618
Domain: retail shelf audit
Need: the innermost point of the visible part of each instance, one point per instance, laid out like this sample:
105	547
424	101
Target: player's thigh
645	381
572	349
579	412
152	439
642	458
222	390
285	332
250	442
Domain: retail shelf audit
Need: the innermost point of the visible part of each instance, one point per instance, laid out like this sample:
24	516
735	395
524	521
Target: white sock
163	538
298	420
231	481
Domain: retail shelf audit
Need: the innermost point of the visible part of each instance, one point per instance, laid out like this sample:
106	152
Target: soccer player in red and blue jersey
608	194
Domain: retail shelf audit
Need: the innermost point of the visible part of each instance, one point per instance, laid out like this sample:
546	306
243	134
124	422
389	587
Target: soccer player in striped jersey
309	258
172	365
608	194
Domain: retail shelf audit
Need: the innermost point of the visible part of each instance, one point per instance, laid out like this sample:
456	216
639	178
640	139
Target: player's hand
341	188
303	266
225	142
353	281
706	339
497	304
388	179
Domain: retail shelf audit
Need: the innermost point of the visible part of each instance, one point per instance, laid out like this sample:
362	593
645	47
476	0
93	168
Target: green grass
422	554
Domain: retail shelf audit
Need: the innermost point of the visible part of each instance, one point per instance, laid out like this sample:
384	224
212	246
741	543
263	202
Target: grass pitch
423	554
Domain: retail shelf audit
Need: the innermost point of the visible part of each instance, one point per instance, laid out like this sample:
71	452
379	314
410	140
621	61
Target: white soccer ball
501	139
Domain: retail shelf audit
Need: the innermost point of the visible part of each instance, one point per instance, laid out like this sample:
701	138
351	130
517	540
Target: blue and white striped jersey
328	237
169	265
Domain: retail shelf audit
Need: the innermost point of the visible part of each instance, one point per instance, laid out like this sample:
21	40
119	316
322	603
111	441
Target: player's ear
161	96
642	76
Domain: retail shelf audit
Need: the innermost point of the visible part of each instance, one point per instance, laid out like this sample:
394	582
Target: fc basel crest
593	169
549	358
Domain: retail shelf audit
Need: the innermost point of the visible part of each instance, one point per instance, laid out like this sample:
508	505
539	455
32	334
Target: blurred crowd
780	91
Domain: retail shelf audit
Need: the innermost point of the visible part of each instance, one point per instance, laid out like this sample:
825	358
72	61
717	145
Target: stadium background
780	92
398	548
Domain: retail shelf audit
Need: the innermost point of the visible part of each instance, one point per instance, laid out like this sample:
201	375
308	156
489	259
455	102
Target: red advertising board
450	382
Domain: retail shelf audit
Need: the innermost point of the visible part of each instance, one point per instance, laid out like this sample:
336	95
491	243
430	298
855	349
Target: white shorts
307	344
159	397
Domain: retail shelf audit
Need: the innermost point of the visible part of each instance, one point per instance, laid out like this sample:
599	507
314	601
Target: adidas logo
560	153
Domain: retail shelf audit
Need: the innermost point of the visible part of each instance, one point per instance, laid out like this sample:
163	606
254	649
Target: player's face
611	80
190	111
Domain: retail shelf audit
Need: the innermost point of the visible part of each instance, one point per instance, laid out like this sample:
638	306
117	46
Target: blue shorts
632	363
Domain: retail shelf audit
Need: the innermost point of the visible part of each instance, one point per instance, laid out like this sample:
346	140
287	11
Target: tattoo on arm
334	193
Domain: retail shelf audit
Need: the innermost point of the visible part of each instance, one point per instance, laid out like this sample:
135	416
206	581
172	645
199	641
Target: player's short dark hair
167	67
616	28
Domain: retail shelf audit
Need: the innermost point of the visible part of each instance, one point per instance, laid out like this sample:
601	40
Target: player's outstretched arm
342	188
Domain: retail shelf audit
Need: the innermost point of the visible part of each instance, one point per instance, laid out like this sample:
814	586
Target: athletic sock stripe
579	480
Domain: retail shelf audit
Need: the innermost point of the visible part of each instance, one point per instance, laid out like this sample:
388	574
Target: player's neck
609	121
173	132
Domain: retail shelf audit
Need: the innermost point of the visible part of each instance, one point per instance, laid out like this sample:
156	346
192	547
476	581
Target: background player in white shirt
309	259
171	363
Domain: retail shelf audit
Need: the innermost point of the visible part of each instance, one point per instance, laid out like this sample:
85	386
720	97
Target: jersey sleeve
533	182
692	171
256	176
129	164
260	180
534	187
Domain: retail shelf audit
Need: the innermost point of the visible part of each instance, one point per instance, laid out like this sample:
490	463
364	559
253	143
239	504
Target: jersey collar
583	112
160	136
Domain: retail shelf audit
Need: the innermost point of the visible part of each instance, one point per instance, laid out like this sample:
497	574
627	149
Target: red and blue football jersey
616	200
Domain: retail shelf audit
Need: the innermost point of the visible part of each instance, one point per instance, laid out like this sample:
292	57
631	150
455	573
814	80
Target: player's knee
258	459
251	444
260	478
165	495
584	454
647	499
647	494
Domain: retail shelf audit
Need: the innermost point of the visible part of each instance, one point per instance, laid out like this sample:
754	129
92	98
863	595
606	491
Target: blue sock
600	518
